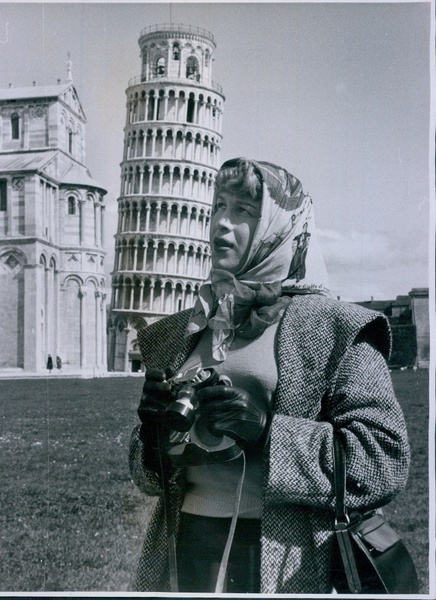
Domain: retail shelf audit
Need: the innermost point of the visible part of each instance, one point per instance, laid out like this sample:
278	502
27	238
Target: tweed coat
327	381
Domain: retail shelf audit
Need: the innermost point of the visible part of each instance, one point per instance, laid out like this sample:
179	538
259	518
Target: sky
339	94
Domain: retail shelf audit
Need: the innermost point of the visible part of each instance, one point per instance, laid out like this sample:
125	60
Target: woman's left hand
234	412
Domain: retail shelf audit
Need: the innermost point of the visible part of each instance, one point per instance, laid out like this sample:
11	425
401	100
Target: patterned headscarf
283	260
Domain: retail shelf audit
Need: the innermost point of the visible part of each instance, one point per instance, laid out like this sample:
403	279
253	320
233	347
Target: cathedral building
172	143
52	282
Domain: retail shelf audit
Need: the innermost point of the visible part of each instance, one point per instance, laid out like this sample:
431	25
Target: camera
189	442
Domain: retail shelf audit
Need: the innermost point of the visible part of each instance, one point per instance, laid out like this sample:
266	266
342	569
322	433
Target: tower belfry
172	143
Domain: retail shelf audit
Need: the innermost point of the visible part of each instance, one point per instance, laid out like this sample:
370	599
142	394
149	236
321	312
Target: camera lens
180	414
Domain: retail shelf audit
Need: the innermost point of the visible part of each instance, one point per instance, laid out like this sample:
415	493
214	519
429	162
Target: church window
70	141
3	195
176	51
71	205
160	67
15	125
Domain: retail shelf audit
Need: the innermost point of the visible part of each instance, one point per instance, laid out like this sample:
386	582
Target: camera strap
225	559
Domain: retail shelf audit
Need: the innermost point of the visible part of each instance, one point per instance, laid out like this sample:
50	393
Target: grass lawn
71	519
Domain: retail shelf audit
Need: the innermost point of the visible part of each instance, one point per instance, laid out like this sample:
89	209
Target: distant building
52	283
172	143
410	323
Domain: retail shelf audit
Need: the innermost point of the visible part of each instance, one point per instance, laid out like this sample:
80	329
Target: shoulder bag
368	556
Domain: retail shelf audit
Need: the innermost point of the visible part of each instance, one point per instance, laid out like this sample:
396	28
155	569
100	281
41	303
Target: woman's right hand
156	395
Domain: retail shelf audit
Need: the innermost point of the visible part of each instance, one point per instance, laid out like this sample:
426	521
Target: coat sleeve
144	478
366	416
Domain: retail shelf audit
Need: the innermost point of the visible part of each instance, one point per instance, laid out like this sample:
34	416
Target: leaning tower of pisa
172	142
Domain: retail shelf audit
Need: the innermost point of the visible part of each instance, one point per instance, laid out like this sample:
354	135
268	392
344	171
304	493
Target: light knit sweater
211	489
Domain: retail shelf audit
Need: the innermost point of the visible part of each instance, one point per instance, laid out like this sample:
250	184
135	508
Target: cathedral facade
172	144
52	282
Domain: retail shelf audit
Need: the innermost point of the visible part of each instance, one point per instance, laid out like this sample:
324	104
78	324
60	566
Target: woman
300	367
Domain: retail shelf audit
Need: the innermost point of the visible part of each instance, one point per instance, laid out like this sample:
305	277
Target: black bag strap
342	520
339	474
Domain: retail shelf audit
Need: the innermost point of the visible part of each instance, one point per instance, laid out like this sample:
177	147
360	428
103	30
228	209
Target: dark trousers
200	546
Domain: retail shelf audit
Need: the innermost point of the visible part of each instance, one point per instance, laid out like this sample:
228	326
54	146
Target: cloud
379	264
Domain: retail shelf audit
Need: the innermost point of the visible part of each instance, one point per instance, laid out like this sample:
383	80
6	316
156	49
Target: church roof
77	174
73	174
44	92
36	91
26	161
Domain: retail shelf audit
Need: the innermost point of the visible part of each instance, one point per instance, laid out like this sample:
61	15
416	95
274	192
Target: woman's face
231	231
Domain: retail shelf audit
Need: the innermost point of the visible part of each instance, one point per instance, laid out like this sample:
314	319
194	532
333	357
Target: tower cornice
174	30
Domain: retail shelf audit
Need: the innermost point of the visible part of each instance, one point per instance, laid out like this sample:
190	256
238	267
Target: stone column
82	204
83	356
135	254
179	217
131	295
150	308
98	327
126	351
158	209
102	225
104	335
141	294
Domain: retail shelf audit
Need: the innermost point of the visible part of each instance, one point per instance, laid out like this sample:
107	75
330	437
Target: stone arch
151	105
192	68
140	266
181	256
70	333
190	112
149	255
157	298
12	286
159	143
181	105
171	112
178	297
184	222
160	66
171	260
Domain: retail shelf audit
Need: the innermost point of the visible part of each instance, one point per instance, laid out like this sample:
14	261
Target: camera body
189	442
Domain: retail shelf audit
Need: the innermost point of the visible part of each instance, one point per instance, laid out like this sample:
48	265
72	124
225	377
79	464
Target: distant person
59	364
297	368
49	363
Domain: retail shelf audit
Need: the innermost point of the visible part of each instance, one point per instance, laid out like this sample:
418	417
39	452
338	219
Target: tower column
135	254
141	294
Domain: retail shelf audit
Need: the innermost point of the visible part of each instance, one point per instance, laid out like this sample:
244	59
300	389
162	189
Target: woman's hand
234	412
156	395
